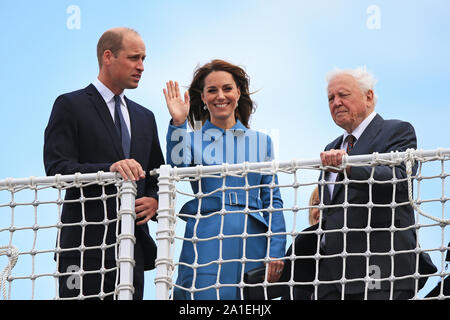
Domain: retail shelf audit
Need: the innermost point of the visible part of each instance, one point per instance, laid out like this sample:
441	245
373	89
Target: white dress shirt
356	133
108	96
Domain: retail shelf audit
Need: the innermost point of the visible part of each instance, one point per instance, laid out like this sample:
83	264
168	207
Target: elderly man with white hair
365	247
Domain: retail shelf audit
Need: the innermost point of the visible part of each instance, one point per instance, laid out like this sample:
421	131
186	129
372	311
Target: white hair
366	81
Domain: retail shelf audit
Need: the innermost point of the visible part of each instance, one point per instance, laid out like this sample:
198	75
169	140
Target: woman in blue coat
227	235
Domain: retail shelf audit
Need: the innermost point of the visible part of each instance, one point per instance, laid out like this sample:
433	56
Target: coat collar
361	128
364	137
367	136
105	92
210	130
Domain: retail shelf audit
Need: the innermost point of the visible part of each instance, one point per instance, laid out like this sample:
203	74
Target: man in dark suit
361	254
99	129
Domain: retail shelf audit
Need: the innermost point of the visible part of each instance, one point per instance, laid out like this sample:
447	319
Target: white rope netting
31	210
13	255
31	224
297	178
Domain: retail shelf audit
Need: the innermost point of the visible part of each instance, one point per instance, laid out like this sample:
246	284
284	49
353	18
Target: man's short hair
366	81
112	40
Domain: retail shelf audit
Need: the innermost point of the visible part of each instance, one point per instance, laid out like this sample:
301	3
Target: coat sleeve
271	197
61	143
178	146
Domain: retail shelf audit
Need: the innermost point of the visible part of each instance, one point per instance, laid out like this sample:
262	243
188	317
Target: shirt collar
360	129
106	93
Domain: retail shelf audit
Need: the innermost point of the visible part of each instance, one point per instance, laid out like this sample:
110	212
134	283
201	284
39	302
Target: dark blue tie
121	127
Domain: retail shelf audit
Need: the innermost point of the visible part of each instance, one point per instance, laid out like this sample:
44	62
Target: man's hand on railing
129	169
333	158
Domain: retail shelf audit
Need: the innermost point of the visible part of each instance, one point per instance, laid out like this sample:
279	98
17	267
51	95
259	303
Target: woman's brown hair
245	104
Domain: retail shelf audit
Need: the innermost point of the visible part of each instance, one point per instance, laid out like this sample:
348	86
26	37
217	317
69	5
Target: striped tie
122	128
350	142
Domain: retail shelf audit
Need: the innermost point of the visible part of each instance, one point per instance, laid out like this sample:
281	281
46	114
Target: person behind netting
352	103
314	212
305	245
218	107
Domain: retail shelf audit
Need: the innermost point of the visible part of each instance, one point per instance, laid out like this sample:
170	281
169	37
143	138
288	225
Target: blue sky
286	46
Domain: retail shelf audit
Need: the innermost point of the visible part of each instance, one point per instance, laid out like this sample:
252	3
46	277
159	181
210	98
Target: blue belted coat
214	240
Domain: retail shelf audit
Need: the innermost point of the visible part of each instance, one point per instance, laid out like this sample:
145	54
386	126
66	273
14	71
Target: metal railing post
126	240
163	235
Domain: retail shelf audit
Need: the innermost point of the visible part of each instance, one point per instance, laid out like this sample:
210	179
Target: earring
205	107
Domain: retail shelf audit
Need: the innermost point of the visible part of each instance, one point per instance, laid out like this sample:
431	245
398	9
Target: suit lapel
105	115
363	144
134	123
336	144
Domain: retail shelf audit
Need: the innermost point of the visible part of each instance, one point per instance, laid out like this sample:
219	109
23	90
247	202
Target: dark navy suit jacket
380	136
81	137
